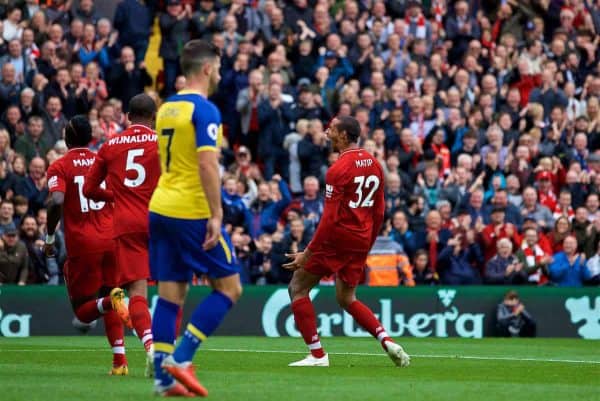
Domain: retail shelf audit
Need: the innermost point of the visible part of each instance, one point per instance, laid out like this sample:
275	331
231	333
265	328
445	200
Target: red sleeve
96	174
486	235
334	194
56	179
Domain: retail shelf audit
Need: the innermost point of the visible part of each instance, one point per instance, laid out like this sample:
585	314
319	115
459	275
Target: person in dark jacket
235	212
402	234
267	209
461	28
31	237
313	150
294	241
458	261
174	31
340	68
274	117
127	78
32	144
204	20
423	274
261	262
133	20
512	319
504	267
34	187
14	259
86	12
234	80
74	98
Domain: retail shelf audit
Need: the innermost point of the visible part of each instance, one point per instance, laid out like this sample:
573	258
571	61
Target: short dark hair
142	106
511	295
78	132
20	200
195	53
350	126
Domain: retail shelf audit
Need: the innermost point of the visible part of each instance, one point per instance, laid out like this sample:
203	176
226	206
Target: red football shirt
354	204
130	164
88	225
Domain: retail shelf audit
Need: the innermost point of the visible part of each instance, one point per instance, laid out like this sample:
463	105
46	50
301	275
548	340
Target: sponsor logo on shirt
328	191
53	181
212	131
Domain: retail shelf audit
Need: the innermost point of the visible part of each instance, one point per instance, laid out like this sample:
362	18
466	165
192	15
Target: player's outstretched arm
208	166
92	188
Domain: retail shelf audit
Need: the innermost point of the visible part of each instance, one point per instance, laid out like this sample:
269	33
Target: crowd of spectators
485	117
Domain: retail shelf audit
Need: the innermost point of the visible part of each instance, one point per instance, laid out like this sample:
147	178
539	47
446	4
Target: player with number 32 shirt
352	217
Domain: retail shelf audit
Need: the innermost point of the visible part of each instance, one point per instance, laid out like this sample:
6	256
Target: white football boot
312	361
397	354
149	371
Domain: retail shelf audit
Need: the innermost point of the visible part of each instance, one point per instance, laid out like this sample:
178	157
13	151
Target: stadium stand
484	115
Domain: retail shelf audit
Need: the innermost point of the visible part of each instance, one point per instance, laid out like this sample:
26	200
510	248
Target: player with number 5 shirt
352	217
130	164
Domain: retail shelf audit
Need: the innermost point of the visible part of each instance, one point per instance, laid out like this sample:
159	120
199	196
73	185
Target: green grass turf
36	369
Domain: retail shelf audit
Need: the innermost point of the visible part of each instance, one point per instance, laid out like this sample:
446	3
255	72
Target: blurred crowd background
485	116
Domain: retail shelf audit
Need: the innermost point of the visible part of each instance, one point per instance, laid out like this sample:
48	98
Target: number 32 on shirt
366	185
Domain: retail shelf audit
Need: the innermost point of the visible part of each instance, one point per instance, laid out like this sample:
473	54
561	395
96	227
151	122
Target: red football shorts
347	266
132	257
86	274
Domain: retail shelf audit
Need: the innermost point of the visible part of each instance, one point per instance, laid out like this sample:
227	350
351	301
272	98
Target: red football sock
306	322
113	326
140	318
365	317
88	311
178	321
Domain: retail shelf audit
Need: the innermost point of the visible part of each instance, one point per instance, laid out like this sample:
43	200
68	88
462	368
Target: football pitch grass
255	368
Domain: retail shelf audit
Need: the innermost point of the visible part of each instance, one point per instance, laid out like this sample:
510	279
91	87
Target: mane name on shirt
364	163
83	162
120	139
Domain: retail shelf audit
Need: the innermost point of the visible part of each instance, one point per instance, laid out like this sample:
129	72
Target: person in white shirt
12	25
593	265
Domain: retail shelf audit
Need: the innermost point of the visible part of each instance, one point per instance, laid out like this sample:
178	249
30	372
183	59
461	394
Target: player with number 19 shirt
90	270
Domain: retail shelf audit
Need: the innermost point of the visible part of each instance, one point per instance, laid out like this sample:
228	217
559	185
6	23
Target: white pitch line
265	351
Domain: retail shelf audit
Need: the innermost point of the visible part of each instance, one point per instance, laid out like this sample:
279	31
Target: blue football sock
163	331
206	318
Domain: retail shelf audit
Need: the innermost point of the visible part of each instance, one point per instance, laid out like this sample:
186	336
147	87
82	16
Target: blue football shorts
176	252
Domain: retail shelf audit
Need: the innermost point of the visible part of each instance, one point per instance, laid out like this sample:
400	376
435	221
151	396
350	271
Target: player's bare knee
297	291
137	288
344	300
232	291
